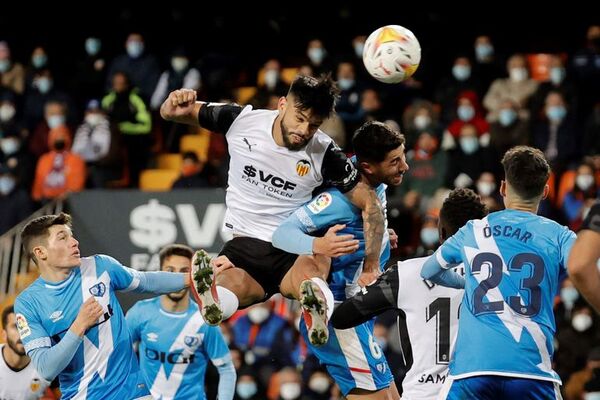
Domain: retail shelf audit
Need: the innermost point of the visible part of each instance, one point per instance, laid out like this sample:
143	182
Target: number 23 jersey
514	263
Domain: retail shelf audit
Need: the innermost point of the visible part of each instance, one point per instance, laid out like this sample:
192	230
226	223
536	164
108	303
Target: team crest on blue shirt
98	289
191	341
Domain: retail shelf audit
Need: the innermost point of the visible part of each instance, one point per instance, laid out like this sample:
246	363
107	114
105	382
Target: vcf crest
302	167
98	289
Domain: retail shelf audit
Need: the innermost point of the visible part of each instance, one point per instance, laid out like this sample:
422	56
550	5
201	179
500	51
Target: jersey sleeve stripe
440	259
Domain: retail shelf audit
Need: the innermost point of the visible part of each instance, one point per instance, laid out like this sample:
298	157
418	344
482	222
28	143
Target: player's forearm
51	361
161	282
582	266
436	272
290	237
374	228
227	377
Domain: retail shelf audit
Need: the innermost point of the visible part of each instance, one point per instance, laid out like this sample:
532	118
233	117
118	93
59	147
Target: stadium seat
288	74
170	161
157	180
244	94
197	143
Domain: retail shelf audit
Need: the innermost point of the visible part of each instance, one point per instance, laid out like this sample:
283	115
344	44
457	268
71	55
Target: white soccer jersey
267	182
431	325
25	384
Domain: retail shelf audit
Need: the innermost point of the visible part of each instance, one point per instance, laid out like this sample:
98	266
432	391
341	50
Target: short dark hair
373	140
175	250
316	94
526	170
460	206
190	155
37	229
9	309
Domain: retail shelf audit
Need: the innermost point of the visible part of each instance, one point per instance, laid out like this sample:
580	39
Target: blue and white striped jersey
175	348
104	366
514	262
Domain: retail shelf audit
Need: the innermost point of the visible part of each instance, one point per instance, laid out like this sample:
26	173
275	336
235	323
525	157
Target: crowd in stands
101	129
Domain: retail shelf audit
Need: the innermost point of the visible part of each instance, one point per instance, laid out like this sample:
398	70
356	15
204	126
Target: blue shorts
500	387
352	358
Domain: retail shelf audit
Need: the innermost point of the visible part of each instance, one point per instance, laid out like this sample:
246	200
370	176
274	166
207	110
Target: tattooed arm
364	197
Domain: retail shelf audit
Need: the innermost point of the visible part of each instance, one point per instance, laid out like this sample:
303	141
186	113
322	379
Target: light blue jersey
328	209
104	366
175	348
351	356
514	262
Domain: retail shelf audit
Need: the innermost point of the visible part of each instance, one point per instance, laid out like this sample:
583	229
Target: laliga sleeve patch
320	203
22	326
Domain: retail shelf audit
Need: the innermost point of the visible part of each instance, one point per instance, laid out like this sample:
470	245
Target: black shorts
263	262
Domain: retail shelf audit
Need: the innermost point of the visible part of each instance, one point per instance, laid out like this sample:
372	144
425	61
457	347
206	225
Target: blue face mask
39	60
429	236
465	112
55	120
246	389
507	116
569	295
557	74
358	49
556	113
469	145
92	46
7	184
4	65
316	55
134	48
483	51
345	83
44	85
461	72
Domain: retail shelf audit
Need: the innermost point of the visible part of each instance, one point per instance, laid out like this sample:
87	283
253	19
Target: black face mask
59	145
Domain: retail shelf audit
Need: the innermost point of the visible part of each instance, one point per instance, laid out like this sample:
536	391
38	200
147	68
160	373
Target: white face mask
581	322
7	184
316	55
179	63
271	77
319	384
518	74
429	236
7	111
258	315
422	121
93	119
290	391
584	182
55	120
569	296
10	145
486	188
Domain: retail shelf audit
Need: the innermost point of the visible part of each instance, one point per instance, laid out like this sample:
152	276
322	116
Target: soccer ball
392	54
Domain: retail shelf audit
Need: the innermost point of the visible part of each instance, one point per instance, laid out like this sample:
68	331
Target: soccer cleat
314	311
204	288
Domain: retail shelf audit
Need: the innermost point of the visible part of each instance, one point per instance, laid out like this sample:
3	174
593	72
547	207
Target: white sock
228	300
328	295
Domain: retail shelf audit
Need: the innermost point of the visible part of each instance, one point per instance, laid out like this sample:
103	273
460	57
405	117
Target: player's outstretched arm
181	106
582	266
369	302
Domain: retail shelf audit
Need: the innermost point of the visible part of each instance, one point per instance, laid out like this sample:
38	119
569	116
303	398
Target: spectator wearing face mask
556	134
568	297
486	65
461	79
59	171
558	81
273	85
348	106
141	67
508	130
575	341
266	340
487	189
90	73
38	62
518	87
418	117
180	74
248	387
468	110
429	237
97	143
319	386
289	385
15	203
12	74
55	113
579	200
318	57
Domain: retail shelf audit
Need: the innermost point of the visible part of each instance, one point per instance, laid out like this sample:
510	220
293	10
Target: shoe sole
204	288
315	312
